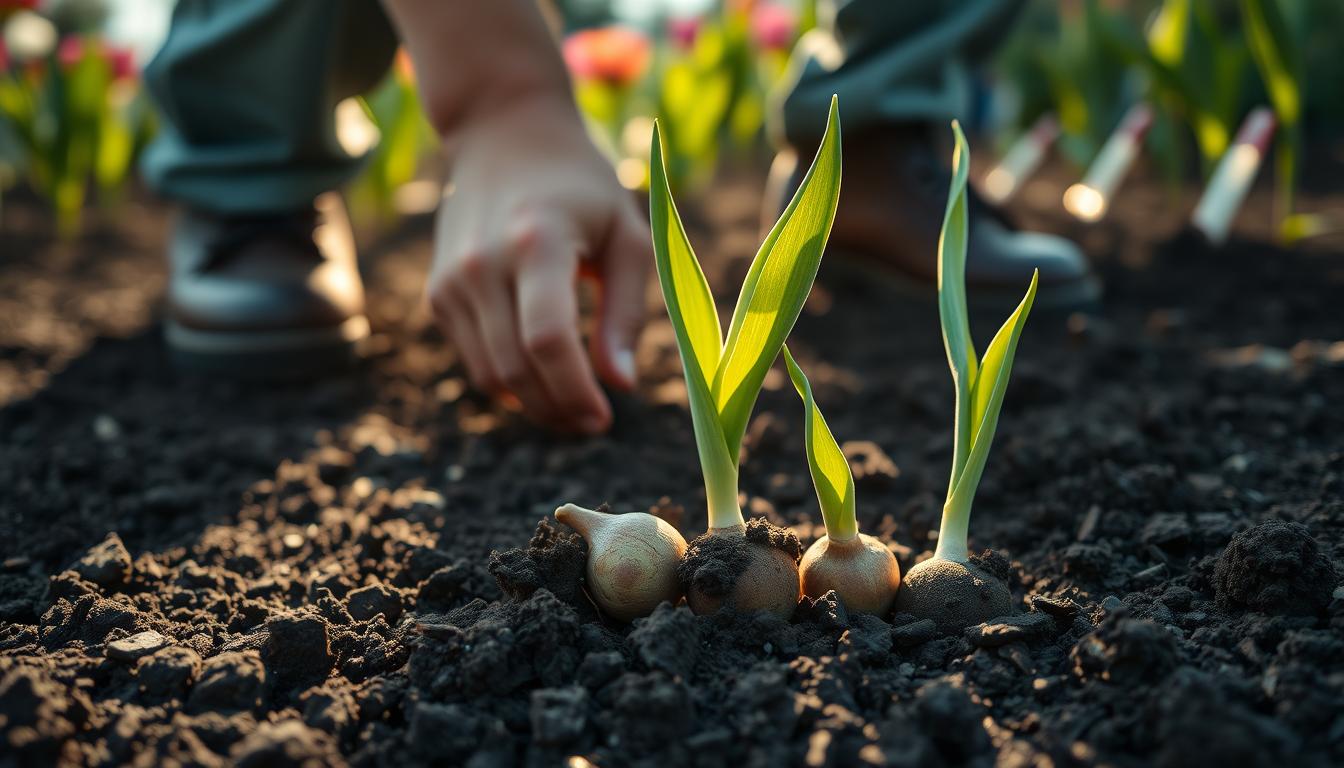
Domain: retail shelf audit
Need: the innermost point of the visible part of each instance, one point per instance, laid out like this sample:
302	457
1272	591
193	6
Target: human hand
533	207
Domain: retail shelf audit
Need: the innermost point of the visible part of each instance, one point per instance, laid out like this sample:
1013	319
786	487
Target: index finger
548	325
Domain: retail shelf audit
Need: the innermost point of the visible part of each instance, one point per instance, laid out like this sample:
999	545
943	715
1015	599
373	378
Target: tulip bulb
747	568
955	594
860	569
632	559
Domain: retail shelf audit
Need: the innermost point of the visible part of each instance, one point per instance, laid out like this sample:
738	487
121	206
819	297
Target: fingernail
625	364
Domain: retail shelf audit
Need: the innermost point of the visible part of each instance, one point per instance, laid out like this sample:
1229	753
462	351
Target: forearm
474	57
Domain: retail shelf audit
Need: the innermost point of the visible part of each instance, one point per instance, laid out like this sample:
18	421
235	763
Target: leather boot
892	198
270	296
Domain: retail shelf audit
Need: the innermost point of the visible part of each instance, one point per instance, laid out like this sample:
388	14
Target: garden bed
341	571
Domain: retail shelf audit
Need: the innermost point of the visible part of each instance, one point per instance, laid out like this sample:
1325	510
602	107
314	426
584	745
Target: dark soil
197	572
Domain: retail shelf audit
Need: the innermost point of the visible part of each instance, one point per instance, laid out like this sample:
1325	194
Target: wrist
503	101
546	114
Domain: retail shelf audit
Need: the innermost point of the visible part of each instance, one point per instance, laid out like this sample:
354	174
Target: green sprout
980	383
858	567
724	374
830	471
949	588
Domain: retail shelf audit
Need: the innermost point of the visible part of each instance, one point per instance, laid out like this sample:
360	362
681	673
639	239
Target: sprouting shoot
949	588
724	373
860	569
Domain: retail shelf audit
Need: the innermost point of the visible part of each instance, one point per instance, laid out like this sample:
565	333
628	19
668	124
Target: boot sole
1078	296
266	355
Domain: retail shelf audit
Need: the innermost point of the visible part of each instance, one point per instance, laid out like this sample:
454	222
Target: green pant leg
247	91
889	61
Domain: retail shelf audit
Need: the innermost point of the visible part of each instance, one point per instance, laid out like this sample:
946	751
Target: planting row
636	561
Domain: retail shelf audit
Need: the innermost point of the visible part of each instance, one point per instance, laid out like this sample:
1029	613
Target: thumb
623	273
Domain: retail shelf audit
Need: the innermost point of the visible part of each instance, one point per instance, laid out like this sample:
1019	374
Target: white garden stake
1232	178
1021	160
1088	199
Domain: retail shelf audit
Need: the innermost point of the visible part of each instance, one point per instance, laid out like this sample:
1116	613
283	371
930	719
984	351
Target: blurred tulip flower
120	60
773	26
683	31
615	55
404	66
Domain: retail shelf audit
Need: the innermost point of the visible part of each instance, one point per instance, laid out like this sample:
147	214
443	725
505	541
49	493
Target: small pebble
136	646
292	541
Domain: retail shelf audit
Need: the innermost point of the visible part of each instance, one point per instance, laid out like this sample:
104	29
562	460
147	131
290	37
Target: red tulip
613	55
120	59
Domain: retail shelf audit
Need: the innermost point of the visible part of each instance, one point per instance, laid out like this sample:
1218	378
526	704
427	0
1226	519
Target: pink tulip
683	31
773	26
120	60
70	51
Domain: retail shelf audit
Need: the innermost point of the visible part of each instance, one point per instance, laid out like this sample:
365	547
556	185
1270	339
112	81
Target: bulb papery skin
632	559
955	595
735	567
861	570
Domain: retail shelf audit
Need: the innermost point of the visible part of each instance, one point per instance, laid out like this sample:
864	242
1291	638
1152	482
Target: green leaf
952	312
723	379
1274	51
690	305
830	469
1166	36
990	385
980	383
777	285
1277	54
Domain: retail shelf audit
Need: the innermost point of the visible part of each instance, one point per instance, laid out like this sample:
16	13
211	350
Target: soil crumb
993	562
1274	567
553	560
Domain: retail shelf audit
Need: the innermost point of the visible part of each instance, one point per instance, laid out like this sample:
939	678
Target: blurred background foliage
73	114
